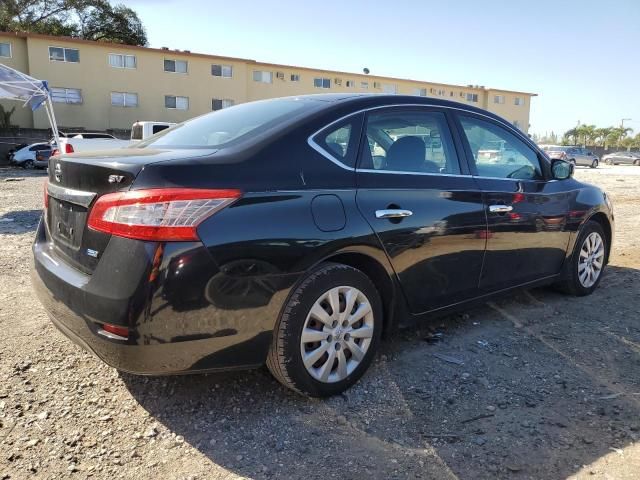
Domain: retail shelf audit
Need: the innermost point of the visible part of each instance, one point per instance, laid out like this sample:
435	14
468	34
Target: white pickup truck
87	141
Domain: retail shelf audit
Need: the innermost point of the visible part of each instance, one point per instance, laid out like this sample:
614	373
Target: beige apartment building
102	86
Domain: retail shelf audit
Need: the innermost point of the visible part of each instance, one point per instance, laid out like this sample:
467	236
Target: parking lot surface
533	385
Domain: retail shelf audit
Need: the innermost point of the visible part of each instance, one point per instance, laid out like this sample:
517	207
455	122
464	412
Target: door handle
500	208
393	213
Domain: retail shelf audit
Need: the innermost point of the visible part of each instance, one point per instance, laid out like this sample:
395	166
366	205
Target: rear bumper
175	326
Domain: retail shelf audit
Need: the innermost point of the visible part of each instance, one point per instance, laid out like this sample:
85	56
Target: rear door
526	213
423	204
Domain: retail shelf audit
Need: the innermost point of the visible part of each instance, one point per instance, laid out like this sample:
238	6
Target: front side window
124	99
5	50
177	103
66	95
224	71
60	54
322	82
117	60
262	76
498	153
175	66
412	141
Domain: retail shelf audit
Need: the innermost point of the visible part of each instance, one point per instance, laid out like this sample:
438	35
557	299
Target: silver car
622	158
576	155
32	156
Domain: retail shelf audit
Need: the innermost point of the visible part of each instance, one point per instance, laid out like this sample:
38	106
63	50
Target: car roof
371	100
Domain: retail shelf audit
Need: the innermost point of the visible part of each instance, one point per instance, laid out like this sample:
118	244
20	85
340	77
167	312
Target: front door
526	214
423	204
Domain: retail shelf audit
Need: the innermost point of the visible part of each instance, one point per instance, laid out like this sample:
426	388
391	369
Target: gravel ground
541	386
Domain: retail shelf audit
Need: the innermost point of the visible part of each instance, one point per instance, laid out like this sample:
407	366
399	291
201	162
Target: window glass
410	141
5	50
71	55
56	54
225	71
122	61
226	125
322	82
177	66
66	95
295	77
498	153
337	141
262	77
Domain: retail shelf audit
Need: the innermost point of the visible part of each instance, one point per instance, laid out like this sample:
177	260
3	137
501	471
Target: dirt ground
541	386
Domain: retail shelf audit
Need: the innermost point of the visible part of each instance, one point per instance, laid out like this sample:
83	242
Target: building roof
188	53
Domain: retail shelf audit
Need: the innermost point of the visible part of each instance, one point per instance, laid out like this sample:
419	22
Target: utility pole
622	122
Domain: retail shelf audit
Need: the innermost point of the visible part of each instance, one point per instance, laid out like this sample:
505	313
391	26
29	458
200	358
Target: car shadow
18	222
536	385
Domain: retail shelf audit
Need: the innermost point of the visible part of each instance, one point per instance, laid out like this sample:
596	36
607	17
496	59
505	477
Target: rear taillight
68	148
46	194
163	214
117	331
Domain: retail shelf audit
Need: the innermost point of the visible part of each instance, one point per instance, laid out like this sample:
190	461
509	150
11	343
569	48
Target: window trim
124	97
322	83
10	50
81	102
176	107
164	59
64	54
455	132
124	67
270	72
222	65
222	100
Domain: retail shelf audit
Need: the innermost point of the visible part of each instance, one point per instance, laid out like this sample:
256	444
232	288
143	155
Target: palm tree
601	135
587	132
572	134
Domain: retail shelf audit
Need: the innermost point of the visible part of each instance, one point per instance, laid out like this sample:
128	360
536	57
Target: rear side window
157	128
222	127
498	153
412	141
340	141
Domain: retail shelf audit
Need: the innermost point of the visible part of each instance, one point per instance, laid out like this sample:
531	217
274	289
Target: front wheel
28	165
587	262
636	163
328	332
594	164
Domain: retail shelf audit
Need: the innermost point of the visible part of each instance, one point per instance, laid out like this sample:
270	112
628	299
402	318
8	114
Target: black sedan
296	231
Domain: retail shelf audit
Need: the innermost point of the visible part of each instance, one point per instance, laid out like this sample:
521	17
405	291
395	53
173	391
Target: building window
389	88
350	83
322	82
124	99
225	71
472	97
441	93
220	103
177	103
518	101
175	66
364	85
498	99
451	94
295	77
66	95
262	76
60	54
420	92
117	60
376	85
5	50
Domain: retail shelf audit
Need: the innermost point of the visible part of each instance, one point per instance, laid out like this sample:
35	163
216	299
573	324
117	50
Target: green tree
5	117
601	135
87	19
571	136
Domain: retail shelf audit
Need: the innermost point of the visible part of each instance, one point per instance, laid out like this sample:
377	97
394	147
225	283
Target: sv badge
116	178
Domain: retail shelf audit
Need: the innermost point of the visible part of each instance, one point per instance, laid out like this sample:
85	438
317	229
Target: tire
594	164
608	161
573	162
636	163
330	281
573	283
28	165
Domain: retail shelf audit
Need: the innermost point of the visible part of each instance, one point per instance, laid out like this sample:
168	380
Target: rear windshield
228	125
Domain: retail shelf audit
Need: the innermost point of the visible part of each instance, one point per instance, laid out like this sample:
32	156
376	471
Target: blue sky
581	57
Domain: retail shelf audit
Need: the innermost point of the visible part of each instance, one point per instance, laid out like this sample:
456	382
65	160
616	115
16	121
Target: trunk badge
116	178
58	172
92	253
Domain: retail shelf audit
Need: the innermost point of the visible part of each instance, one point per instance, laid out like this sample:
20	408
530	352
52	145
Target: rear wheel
636	162
608	161
328	332
28	165
587	263
594	164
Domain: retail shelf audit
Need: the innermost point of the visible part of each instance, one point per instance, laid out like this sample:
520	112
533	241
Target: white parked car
27	157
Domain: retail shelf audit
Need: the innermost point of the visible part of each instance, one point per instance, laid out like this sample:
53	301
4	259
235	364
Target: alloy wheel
337	334
591	260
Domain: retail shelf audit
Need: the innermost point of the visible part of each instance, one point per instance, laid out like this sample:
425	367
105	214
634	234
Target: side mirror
561	170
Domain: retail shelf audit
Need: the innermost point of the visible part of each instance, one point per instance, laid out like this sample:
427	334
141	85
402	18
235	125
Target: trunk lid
75	181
